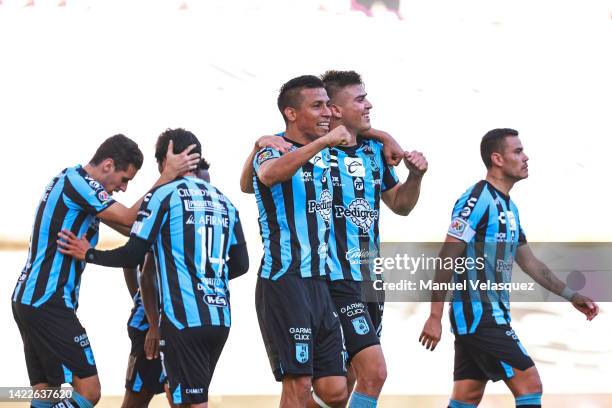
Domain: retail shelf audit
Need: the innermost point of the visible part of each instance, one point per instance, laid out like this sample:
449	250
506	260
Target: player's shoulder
478	191
370	146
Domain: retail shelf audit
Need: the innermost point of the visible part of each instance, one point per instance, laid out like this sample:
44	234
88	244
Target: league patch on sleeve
265	155
460	229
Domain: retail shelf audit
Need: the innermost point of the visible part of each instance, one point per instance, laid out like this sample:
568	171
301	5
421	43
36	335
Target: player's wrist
90	255
568	294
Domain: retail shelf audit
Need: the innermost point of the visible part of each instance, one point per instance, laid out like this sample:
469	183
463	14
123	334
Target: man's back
70	201
192	225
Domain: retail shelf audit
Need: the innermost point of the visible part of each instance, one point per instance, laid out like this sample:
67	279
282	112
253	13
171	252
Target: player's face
514	159
312	116
117	180
354	108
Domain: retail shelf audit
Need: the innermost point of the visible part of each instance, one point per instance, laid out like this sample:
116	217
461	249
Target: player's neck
295	135
503	184
94	171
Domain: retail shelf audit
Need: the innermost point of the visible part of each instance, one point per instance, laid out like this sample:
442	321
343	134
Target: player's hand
585	306
178	164
431	334
70	244
392	150
339	136
275	142
416	163
151	344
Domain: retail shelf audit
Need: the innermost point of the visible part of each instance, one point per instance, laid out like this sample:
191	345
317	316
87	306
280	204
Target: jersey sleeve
86	193
467	213
150	216
237	233
389	177
262	156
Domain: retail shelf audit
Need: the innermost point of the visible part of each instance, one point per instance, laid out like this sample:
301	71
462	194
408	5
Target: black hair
123	150
289	95
181	139
493	142
336	80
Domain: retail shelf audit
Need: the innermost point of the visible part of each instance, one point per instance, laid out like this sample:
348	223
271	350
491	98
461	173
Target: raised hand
275	142
178	164
339	136
415	162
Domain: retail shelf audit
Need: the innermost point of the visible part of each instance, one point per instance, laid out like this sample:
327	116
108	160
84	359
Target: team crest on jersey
358	183
360	324
323	206
354	166
509	218
301	352
359	212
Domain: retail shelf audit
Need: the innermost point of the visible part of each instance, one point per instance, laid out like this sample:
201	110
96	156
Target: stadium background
439	77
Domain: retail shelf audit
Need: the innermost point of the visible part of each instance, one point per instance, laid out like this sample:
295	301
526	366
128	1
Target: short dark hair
181	139
289	95
493	141
336	80
123	150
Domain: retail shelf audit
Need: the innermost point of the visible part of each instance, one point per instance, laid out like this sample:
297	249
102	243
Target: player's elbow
268	179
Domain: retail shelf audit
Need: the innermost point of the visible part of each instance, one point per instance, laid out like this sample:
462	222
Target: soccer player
145	377
296	315
360	179
486	226
45	299
199	246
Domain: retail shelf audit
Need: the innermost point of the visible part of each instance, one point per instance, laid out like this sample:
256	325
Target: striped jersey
71	201
487	220
138	318
359	176
294	217
192	226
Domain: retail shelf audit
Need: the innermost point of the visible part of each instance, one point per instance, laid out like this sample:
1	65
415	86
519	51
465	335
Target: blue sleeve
468	212
151	216
86	193
262	156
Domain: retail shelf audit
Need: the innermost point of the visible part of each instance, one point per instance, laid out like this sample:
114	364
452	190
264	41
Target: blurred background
440	73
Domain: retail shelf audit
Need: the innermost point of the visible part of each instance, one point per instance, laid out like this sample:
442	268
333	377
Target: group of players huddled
318	187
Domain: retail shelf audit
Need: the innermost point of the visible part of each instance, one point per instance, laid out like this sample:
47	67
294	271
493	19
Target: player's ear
108	165
290	114
336	111
497	159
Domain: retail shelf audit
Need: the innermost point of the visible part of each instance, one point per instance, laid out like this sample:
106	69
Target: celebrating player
45	299
198	245
360	178
486	225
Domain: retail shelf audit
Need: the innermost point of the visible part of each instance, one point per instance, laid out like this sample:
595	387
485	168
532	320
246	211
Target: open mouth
324	125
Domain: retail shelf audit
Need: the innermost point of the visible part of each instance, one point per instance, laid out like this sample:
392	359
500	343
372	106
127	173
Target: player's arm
278	169
432	330
148	291
273	141
402	198
238	263
535	268
131	280
123	230
176	164
392	150
127	256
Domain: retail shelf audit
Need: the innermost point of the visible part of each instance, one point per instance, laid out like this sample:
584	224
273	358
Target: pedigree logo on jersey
359	212
323	206
354	166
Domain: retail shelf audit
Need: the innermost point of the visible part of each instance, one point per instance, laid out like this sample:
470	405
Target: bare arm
402	198
246	177
535	268
148	291
131	280
432	330
123	230
283	168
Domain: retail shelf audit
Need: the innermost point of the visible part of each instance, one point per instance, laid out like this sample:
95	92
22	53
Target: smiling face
312	115
512	160
351	106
